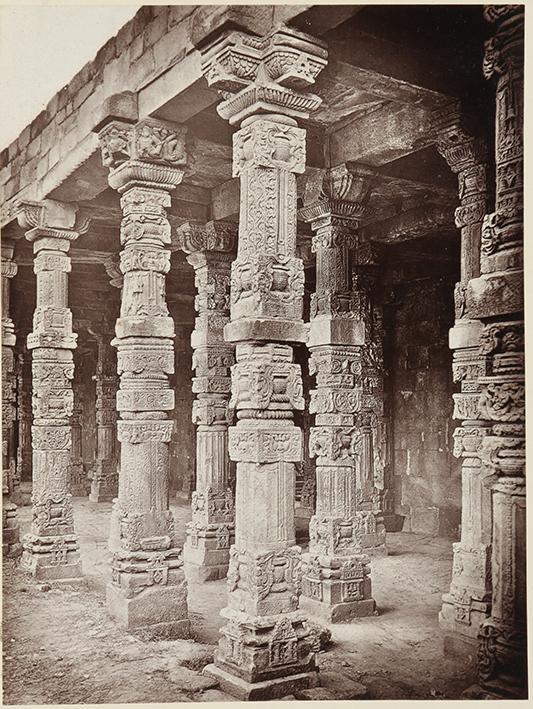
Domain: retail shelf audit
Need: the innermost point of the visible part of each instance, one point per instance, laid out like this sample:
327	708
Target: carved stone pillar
51	550
496	298
148	587
266	649
10	529
211	531
78	477
336	573
467	604
104	483
24	415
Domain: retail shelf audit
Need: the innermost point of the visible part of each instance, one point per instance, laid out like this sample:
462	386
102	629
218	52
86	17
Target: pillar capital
51	219
264	74
213	236
150	153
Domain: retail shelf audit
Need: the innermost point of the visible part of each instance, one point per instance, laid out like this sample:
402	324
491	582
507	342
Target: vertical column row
51	549
10	529
211	531
265	646
148	588
104	483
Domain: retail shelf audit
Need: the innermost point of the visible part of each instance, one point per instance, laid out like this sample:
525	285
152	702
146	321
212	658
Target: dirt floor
60	646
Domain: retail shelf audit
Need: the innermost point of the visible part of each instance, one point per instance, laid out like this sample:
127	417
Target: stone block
157	28
159	610
315	694
268	689
178	12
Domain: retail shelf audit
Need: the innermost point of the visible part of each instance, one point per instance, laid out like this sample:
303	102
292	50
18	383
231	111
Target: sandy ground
61	647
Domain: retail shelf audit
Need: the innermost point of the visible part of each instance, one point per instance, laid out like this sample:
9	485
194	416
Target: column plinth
51	549
211	530
147	590
266	649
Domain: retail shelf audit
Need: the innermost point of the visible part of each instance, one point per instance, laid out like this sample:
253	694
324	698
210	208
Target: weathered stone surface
147	590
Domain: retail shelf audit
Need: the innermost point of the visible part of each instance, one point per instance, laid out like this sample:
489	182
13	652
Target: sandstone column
467	604
148	588
51	548
266	649
209	534
10	529
24	414
336	580
104	483
496	298
78	477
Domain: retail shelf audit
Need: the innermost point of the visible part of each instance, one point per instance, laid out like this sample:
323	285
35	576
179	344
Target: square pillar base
267	689
103	491
460	624
159	611
338	612
51	558
204	561
11	546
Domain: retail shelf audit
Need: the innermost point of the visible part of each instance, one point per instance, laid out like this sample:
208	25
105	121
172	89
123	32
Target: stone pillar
467	604
51	550
148	588
266	649
104	483
496	299
24	415
211	531
10	529
78	478
336	573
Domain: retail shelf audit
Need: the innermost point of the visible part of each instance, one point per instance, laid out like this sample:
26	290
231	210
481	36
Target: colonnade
249	317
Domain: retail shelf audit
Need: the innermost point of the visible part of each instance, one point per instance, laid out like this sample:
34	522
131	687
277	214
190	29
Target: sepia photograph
263	370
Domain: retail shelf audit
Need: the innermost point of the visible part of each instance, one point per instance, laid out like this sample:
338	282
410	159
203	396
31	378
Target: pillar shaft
78	476
10	528
496	298
265	646
467	604
104	483
148	588
336	573
51	549
209	248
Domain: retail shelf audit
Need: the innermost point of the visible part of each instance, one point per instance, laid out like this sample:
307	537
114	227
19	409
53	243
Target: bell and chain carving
146	160
347	402
10	529
263	81
209	248
51	549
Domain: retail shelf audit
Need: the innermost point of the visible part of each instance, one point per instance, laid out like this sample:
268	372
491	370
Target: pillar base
338	612
155	603
268	689
476	691
460	624
51	558
103	490
11	546
204	559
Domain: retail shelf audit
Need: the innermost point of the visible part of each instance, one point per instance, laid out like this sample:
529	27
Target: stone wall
426	475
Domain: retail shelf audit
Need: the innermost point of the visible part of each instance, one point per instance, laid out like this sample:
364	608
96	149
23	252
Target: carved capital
456	140
192	237
51	219
267	73
152	151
